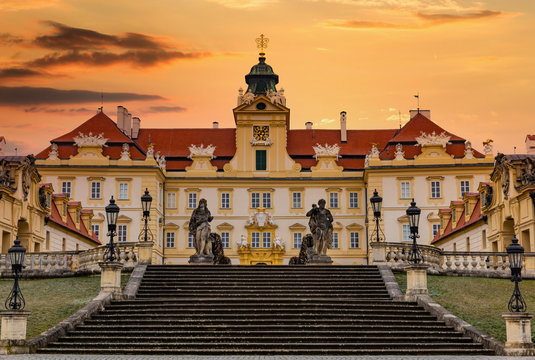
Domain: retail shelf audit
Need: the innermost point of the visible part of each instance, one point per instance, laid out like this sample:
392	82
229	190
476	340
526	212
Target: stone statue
400	154
279	242
219	253
125	153
468	152
321	220
305	253
487	147
248	97
243	241
150	150
54	153
199	227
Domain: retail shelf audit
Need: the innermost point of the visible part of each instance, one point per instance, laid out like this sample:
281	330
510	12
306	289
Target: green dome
261	78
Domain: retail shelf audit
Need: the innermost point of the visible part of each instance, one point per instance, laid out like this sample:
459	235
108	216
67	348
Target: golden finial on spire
262	43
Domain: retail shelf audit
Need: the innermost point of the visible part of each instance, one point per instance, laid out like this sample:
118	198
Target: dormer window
467	208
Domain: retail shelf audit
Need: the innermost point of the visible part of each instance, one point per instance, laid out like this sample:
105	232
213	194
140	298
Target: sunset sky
180	63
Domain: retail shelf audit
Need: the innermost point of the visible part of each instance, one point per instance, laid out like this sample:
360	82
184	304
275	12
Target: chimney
136	124
343	128
530	144
426	113
120	117
215	125
128	124
308	125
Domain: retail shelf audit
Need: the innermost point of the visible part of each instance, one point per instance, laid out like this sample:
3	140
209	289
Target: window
353	200
66	188
333	200
225	239
298	238
171	200
255	200
406	233
266	240
335	240
123	191
121	233
96	230
255	239
436	229
95	190
465	187
296	200
353	240
192	200
266	200
261	160
170	240
405	189
225	200
191	239
435	190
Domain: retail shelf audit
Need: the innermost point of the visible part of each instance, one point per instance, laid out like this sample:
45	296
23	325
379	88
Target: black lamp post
413	212
16	255
516	255
146	200
376	201
112	213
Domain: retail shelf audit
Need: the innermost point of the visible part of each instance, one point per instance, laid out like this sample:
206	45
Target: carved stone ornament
242	242
277	97
43	198
527	173
53	154
501	168
468	151
374	151
218	251
400	154
200	150
257	142
327	150
487	147
125	153
160	159
261	219
247	98
90	139
29	173
6	178
150	150
487	196
433	139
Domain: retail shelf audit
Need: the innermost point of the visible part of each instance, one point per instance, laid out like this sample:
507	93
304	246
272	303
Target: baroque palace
261	177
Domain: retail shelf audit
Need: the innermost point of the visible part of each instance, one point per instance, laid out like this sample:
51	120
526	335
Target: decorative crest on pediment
327	150
433	139
90	139
260	219
276	97
201	150
53	153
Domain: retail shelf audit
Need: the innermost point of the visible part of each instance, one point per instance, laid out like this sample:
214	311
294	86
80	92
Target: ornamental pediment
260	103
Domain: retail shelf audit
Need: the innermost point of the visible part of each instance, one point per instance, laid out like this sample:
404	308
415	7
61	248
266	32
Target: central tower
261	79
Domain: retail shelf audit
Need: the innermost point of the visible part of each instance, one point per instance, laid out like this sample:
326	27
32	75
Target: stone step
264	312
243	307
216	300
253	287
149	295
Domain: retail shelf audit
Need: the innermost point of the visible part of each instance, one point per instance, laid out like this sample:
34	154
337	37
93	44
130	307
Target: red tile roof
100	123
531	137
475	217
55	217
418	124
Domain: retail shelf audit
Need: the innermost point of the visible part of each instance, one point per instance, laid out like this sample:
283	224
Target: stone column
13	334
378	253
416	281
110	278
144	252
518	329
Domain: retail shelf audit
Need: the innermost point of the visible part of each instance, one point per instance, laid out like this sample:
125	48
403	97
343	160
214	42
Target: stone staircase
264	310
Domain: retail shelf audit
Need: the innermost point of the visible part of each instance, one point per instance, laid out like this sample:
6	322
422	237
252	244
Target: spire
261	78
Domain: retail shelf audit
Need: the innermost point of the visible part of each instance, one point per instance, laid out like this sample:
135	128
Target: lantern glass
376	201
146	201
413	212
515	252
112	212
17	253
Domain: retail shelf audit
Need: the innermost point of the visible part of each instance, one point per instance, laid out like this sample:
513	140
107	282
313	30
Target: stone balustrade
64	263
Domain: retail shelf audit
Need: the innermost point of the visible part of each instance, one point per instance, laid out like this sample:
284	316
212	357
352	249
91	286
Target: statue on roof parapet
125	153
54	153
399	154
90	139
441	139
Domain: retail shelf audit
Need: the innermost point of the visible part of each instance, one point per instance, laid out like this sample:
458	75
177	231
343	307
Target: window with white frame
225	239
298	239
296	200
225	200
123	191
171	200
95	228
354	240
405	189
255	239
192	200
191	239
436	229
170	240
405	232
266	200
255	200
465	187
435	190
335	240
66	188
95	190
333	200
121	232
266	240
353	200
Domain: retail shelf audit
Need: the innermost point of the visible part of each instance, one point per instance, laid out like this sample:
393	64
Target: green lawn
479	301
53	300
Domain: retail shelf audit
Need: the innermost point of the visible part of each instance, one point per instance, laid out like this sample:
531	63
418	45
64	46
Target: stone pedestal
13	334
416	281
201	259
518	329
144	252
378	253
110	278
320	260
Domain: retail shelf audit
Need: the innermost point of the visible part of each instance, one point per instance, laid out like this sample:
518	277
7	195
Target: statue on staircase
321	227
219	253
199	227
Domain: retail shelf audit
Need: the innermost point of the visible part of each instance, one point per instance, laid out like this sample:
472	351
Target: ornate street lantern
112	213
515	251
376	201
16	255
413	212
146	200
